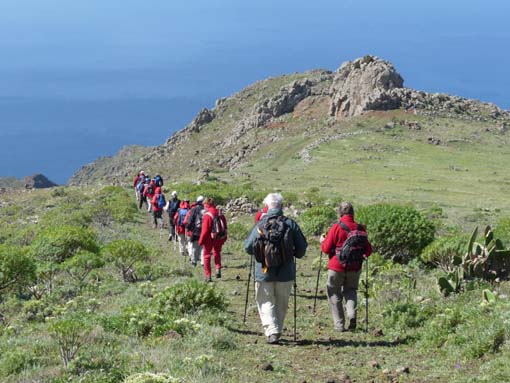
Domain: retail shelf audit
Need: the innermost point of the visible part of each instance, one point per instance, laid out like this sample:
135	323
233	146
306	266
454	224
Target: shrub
13	362
113	203
189	297
397	232
58	243
81	264
445	252
16	268
317	220
502	230
126	254
71	333
400	317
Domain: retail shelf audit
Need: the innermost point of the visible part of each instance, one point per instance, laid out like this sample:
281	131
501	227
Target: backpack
158	180
274	245
150	190
354	247
182	215
218	231
195	222
140	185
174	205
161	201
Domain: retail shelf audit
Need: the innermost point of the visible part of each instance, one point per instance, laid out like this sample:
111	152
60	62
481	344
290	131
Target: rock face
38	181
204	117
364	84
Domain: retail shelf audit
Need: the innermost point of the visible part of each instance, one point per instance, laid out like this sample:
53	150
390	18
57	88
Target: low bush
14	362
126	255
397	232
400	317
16	268
237	231
317	220
445	252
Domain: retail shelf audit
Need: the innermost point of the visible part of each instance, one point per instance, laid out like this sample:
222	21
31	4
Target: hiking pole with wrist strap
366	296
317	283
247	289
295	298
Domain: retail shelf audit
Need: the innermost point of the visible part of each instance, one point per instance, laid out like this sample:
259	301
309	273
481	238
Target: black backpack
195	223
274	244
354	247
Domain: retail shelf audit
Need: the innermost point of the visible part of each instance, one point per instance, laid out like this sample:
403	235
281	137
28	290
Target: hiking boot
170	237
340	329
273	339
194	264
218	273
352	324
208	279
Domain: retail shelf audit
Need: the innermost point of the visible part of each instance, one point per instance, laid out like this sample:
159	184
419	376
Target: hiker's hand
322	238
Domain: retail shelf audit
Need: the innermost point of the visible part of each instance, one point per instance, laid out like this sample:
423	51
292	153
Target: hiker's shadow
346	342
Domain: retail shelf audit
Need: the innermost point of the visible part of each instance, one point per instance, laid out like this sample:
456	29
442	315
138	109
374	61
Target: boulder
364	84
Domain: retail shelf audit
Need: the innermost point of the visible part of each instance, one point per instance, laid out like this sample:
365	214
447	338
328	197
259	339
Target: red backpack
219	231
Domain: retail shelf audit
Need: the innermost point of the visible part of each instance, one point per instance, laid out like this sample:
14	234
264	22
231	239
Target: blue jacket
287	271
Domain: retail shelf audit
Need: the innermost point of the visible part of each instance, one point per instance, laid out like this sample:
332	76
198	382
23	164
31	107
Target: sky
158	62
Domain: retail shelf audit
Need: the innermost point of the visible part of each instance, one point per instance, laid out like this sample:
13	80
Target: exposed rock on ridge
362	85
38	181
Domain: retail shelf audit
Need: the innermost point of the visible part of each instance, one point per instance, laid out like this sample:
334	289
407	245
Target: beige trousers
272	302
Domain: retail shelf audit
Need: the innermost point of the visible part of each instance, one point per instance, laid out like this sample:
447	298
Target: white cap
200	198
174	193
141	172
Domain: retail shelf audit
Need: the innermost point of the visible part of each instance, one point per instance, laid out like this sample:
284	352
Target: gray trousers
272	302
343	285
194	251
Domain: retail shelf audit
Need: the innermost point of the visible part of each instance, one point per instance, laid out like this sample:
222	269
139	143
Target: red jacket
181	229
154	199
260	214
207	226
335	239
137	178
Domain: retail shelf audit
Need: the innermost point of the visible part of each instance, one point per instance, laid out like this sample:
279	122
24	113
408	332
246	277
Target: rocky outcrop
203	117
38	181
364	84
241	205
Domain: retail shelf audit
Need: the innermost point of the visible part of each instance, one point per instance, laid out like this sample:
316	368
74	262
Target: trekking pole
366	296
317	283
247	290
295	298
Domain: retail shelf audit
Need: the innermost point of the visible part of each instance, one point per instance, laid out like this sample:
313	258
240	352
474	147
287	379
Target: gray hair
273	201
345	209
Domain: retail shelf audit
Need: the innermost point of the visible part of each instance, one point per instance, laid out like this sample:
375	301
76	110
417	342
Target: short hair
273	201
345	208
209	201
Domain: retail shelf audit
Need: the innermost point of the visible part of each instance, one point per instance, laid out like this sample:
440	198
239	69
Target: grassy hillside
415	334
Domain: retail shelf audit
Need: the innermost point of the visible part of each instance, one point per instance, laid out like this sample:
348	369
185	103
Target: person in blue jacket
273	285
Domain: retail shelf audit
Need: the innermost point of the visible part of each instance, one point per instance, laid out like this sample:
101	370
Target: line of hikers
199	228
274	243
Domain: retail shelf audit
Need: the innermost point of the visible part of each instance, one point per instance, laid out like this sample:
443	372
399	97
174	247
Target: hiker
261	213
171	207
344	274
148	193
193	223
157	202
275	268
180	228
142	184
140	177
212	237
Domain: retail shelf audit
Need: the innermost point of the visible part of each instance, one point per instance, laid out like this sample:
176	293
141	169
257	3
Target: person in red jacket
148	193
180	227
343	279
261	213
157	211
140	176
212	237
